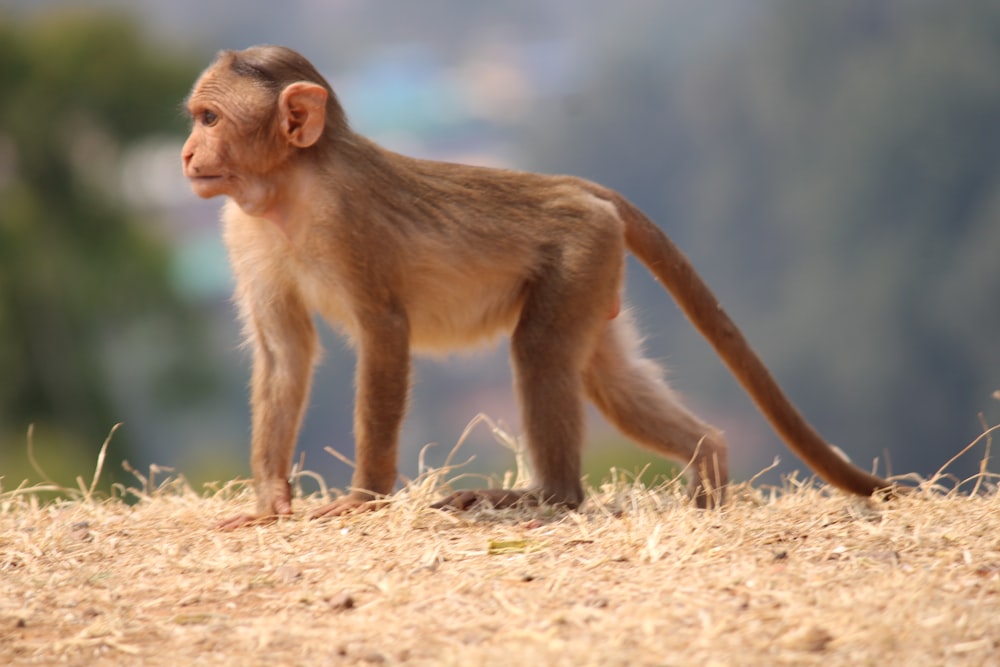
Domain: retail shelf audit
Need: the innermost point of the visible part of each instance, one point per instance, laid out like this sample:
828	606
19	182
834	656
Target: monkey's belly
444	313
462	315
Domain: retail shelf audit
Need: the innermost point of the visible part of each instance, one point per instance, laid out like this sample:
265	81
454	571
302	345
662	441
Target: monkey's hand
495	498
354	502
274	501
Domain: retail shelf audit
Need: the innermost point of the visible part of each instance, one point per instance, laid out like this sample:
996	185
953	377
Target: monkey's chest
327	296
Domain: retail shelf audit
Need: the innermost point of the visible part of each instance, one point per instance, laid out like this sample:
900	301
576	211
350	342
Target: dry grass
795	576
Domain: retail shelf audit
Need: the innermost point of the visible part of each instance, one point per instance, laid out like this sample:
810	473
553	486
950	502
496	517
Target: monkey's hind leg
631	392
548	383
561	321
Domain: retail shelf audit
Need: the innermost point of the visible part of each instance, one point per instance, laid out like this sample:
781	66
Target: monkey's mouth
206	182
207	186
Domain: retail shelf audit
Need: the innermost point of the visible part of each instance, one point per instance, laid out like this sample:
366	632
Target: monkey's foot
495	498
349	504
274	501
707	499
708	491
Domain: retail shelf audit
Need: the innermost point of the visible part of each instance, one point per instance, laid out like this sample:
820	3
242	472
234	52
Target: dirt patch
795	576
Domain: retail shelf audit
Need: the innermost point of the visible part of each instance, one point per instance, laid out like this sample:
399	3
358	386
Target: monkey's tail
673	269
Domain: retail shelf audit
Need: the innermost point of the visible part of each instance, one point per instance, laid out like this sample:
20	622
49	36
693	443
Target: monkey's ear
302	111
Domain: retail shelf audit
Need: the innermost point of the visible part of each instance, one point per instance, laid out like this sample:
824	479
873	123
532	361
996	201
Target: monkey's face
206	157
227	152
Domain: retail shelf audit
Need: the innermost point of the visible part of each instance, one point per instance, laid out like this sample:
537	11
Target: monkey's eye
208	118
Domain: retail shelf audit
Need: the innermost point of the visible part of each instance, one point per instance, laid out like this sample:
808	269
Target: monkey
404	255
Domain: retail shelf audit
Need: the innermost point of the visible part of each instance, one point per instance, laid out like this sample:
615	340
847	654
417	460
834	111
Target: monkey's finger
346	505
245	520
466	500
460	500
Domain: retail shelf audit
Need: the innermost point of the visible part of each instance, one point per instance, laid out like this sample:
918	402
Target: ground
798	576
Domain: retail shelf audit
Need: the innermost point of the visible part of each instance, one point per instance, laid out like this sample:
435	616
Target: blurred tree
75	267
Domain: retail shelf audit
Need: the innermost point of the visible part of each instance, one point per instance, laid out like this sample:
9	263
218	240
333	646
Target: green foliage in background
77	266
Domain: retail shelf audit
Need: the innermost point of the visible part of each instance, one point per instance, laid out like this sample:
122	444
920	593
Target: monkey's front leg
284	350
383	383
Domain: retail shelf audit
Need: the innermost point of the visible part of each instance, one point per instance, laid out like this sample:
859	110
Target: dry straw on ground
791	576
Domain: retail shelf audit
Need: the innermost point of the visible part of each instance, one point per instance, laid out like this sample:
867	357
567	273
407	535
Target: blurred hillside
831	168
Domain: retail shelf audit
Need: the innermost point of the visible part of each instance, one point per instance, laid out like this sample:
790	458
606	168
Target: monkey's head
255	114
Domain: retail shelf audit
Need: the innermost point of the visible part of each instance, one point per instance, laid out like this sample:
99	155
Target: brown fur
403	254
